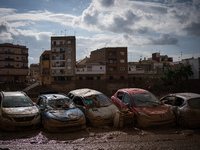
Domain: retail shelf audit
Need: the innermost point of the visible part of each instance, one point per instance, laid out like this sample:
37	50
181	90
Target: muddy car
59	113
147	109
17	111
97	107
186	107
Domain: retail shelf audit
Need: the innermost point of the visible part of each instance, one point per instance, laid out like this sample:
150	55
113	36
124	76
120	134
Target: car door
118	99
79	103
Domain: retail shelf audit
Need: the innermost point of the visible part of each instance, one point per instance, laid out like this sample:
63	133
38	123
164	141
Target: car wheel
182	122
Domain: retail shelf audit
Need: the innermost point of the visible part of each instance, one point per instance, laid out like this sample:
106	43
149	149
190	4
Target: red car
148	110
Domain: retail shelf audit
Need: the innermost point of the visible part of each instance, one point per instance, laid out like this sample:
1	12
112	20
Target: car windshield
145	100
99	98
63	103
194	103
17	101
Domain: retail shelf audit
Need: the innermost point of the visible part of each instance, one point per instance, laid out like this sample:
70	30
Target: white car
97	107
17	111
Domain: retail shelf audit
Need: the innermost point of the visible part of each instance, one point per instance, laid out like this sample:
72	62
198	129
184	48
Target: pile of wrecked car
79	108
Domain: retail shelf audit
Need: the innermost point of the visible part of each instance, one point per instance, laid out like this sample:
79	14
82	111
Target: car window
70	95
194	103
168	100
17	101
145	100
40	102
126	100
78	101
99	98
178	101
120	95
62	103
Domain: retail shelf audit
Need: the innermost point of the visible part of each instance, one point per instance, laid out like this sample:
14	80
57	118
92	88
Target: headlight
142	114
5	116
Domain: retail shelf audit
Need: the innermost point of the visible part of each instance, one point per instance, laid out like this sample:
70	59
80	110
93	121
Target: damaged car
17	111
147	109
186	107
97	107
59	113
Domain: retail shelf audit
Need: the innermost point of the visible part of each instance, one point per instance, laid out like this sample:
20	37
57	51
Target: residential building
63	58
34	73
45	67
162	58
115	61
13	63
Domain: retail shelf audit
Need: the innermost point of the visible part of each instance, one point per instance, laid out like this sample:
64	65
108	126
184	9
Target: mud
106	138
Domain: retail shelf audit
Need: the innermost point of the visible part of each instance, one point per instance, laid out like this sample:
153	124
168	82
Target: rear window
17	101
101	98
194	103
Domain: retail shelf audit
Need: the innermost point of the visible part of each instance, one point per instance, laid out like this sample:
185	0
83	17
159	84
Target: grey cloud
159	10
164	39
107	3
91	19
193	29
3	28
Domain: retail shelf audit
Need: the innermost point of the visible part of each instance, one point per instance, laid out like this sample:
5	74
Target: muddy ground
102	139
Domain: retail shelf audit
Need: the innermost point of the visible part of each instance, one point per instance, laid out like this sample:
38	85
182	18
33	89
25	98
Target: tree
177	75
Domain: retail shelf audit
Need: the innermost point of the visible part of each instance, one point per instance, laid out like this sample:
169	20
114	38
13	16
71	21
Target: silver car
17	111
97	107
186	107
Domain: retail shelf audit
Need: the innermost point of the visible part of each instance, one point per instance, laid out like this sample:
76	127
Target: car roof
134	90
54	96
187	96
85	92
14	93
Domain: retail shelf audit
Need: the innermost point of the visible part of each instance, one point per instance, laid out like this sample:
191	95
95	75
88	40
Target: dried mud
106	138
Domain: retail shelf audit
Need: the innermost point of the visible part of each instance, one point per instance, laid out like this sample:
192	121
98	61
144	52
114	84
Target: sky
169	27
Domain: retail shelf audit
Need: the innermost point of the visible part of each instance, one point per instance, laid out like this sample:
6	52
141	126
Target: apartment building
63	58
115	61
13	63
45	67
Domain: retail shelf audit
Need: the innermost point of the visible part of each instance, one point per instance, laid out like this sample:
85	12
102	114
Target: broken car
186	107
59	113
147	109
17	111
97	107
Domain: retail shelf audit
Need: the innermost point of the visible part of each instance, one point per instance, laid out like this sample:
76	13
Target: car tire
182	122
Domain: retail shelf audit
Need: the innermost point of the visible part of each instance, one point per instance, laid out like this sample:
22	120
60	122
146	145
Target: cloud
164	39
107	3
193	29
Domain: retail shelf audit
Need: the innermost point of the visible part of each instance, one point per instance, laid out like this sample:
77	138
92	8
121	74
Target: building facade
115	61
13	63
63	58
45	67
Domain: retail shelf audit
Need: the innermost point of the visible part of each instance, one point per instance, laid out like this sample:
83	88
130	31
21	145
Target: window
78	101
68	42
121	60
120	95
98	78
111	77
54	43
122	53
122	69
121	77
69	49
127	100
80	78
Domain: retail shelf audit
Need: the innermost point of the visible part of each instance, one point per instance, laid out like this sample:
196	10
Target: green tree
177	75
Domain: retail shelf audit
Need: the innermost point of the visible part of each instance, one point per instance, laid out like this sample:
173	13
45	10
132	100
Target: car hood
103	112
65	115
21	110
158	110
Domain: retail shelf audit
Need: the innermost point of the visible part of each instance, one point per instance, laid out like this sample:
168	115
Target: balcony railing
9	58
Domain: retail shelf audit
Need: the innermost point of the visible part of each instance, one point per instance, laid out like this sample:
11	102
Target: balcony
9	66
61	51
9	52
